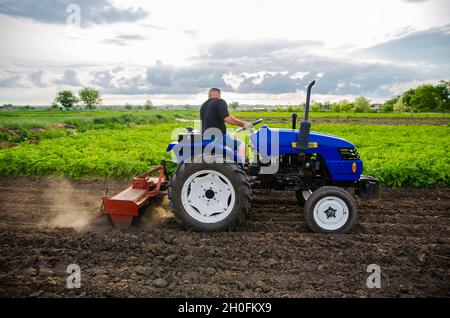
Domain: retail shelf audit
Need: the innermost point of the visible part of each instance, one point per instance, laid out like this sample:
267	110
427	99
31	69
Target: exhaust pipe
308	98
294	120
305	125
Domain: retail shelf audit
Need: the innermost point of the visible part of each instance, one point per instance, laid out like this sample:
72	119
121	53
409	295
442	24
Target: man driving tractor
214	114
206	196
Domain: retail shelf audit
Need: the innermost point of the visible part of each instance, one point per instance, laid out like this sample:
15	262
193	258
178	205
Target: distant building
376	106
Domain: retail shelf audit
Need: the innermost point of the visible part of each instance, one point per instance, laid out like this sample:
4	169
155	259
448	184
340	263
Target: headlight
349	153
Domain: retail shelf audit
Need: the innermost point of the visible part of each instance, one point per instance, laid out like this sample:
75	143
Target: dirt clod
210	271
45	272
160	283
36	294
144	271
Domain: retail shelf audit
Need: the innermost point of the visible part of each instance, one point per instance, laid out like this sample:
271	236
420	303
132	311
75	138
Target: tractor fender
195	152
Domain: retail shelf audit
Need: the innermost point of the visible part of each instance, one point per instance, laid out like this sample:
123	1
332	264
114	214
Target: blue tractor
212	185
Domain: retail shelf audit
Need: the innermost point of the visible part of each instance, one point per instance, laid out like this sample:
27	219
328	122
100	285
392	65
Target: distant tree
66	99
388	106
423	99
406	97
428	98
326	106
55	105
346	106
443	95
148	104
128	106
399	106
234	105
315	107
90	97
431	98
335	107
362	105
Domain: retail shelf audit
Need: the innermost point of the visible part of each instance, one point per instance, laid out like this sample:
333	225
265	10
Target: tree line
425	98
89	96
67	99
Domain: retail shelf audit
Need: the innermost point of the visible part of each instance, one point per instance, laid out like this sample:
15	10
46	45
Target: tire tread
243	194
330	191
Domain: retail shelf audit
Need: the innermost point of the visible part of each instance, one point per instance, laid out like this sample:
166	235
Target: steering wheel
256	122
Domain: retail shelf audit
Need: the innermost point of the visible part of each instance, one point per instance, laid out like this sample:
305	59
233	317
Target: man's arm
230	119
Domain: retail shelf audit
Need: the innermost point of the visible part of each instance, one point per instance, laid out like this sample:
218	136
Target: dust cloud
69	207
74	207
157	213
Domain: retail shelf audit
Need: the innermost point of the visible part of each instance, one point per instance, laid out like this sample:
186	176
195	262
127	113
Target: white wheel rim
331	213
208	196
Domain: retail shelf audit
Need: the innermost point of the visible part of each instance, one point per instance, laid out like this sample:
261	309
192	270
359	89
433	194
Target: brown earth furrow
272	254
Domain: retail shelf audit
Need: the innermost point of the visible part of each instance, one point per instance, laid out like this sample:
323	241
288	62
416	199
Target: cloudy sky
256	51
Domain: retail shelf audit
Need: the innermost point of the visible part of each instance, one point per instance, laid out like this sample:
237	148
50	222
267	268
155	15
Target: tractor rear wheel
330	210
209	197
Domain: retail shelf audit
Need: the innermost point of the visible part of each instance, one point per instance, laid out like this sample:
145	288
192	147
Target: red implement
124	206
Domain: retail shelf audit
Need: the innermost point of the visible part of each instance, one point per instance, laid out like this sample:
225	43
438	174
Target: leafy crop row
286	114
95	119
401	155
25	119
108	153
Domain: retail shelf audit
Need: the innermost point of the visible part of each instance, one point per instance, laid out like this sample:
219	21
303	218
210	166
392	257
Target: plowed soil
273	254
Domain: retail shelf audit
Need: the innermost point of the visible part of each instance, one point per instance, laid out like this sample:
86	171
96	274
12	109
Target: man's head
214	93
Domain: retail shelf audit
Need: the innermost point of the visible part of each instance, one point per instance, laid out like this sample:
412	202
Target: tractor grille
349	153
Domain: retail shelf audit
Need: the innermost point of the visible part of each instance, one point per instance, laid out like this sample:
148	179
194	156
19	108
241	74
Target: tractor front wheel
330	210
209	197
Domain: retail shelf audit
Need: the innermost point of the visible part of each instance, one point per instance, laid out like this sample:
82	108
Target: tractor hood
276	142
329	140
287	141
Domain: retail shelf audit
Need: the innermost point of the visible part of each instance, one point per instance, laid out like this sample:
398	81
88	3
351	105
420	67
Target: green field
46	116
341	115
37	118
120	144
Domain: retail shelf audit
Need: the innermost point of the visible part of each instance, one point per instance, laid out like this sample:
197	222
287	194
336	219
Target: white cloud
56	11
276	51
259	77
70	78
15	81
400	87
299	75
117	69
233	80
40	79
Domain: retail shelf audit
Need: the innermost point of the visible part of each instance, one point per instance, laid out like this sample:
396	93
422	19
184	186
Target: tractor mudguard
192	151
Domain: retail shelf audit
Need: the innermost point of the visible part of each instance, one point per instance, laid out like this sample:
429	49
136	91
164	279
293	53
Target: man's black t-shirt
213	113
